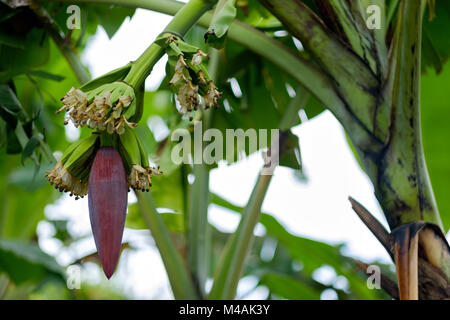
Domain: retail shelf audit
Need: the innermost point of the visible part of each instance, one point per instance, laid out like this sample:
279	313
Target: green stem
403	187
107	140
143	66
180	281
366	43
232	262
199	233
183	20
359	97
393	4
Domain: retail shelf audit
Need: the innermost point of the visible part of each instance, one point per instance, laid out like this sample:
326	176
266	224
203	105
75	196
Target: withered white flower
104	110
212	96
140	178
75	99
198	58
64	181
188	97
179	71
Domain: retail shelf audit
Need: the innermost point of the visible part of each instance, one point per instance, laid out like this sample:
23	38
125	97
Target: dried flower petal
66	182
93	113
140	178
212	96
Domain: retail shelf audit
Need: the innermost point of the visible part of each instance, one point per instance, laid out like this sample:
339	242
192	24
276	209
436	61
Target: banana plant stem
180	280
199	236
235	253
183	20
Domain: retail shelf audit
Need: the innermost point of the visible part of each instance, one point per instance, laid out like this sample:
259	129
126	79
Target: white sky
318	209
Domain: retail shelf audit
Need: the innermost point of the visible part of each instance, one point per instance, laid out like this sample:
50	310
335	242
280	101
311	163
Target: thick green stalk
403	186
379	34
180	280
232	262
351	16
184	19
394	160
393	4
199	235
351	77
143	66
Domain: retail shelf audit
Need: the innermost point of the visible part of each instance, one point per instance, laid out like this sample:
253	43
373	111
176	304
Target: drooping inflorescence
136	161
190	80
71	172
64	181
108	107
140	177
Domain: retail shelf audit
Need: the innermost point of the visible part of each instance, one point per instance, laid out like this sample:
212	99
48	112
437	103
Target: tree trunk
386	105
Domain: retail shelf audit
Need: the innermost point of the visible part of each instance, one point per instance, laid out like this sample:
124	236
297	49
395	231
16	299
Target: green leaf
436	47
224	14
9	117
36	53
112	17
8	99
288	287
291	157
27	178
31	145
11	40
47	75
435	115
13	145
167	191
313	107
26	262
254	14
173	221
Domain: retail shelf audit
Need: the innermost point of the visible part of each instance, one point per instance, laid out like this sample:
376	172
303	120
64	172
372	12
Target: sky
317	209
